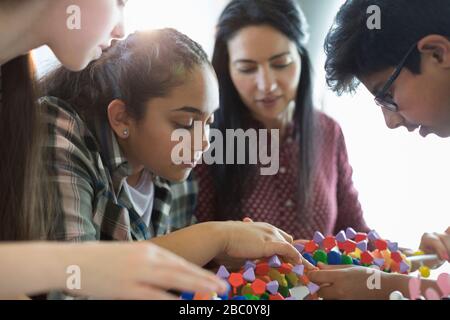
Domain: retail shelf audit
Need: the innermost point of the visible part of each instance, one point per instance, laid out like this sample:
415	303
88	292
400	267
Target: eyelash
190	127
278	67
121	3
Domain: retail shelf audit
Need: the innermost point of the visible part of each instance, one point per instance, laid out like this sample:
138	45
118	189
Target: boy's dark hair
354	50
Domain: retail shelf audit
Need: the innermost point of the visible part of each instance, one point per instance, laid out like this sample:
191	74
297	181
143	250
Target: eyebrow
189	110
271	59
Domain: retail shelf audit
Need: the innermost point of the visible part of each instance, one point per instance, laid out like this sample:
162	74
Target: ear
119	119
437	47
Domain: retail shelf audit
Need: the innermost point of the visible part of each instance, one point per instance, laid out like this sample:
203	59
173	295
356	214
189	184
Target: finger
324	266
322	277
328	292
247	220
286	236
445	239
173	279
309	266
193	276
301	241
433	244
148	293
447	231
407	252
171	260
205	281
283	249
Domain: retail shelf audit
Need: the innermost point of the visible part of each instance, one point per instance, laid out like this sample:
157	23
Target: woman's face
82	29
265	68
150	142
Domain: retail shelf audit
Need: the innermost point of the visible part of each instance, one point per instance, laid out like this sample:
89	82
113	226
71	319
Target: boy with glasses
405	64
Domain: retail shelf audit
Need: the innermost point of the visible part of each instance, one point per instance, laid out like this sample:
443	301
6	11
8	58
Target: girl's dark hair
354	50
25	201
145	65
286	17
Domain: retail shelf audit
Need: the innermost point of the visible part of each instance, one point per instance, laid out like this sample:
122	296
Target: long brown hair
25	212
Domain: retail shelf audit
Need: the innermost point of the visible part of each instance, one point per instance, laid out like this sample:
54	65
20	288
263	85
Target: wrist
220	231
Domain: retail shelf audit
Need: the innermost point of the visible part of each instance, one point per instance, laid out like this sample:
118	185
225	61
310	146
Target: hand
256	240
137	271
438	243
346	282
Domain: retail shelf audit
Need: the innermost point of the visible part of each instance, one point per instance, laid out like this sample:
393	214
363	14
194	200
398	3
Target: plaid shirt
89	171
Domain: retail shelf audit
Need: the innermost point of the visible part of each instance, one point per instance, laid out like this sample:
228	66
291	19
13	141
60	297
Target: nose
205	139
266	80
393	119
201	142
119	29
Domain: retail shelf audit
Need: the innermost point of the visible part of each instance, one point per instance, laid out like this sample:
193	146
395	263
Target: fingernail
445	256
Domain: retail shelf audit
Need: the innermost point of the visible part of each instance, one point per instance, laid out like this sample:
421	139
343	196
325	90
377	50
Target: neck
23	21
136	167
133	180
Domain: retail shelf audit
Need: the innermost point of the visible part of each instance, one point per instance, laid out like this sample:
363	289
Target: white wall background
403	179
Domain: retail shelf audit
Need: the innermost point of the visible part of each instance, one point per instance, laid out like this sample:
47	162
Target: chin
75	66
178	175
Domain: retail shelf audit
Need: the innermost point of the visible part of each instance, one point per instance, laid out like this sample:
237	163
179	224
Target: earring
125	133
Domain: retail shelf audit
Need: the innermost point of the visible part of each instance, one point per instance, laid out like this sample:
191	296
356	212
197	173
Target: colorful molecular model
351	247
273	279
269	279
443	282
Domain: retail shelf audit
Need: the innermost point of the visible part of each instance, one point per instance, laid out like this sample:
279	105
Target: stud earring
125	133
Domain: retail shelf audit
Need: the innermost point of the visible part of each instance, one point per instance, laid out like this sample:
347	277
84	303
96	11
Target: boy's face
423	99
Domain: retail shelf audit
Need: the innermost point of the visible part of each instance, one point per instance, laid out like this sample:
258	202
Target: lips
270	99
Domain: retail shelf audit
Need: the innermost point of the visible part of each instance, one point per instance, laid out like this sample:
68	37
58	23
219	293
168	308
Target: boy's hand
438	243
347	282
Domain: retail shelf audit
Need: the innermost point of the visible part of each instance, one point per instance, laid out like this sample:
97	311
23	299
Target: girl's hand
137	271
257	240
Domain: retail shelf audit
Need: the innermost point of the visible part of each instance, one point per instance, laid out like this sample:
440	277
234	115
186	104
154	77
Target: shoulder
329	134
57	107
61	119
327	124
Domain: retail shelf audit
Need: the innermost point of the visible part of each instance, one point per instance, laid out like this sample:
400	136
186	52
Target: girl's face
82	29
150	142
265	68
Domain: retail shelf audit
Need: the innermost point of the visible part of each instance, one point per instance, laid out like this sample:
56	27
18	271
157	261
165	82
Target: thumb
323	266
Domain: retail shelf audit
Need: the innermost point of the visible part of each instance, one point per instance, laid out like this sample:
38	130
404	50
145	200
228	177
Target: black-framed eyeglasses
382	98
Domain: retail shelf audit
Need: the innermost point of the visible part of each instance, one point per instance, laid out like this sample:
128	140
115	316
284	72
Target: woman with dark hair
111	148
265	83
26	208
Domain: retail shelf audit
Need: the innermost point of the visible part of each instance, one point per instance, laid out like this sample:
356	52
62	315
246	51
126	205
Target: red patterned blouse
334	205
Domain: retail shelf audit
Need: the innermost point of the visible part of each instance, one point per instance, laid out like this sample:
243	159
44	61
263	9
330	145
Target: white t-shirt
142	196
